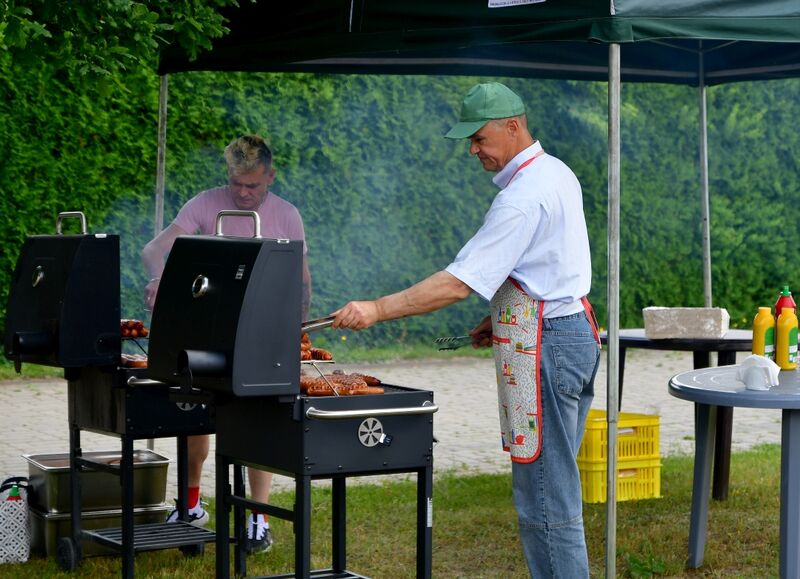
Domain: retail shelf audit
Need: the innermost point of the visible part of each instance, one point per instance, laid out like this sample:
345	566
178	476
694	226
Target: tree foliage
385	199
102	38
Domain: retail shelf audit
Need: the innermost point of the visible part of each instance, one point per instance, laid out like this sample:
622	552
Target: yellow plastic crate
636	479
637	437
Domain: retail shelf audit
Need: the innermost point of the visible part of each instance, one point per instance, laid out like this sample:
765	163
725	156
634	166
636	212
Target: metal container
49	486
48	528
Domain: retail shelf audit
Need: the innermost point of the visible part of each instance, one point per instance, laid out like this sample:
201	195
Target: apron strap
592	318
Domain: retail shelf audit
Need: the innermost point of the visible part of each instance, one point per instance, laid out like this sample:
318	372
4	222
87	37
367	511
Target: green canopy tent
696	43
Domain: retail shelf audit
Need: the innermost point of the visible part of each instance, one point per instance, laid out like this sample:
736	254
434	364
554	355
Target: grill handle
426	408
134	381
177	393
76	214
238	213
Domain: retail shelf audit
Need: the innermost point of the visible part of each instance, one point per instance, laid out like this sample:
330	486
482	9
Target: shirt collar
504	176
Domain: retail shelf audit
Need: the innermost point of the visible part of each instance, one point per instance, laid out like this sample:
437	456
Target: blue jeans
547	492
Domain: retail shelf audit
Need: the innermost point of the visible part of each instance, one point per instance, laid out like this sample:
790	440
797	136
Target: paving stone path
33	414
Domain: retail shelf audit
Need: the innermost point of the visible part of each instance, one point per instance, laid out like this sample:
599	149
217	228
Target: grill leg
223	515
183	476
239	530
126	480
424	529
302	527
339	526
75	486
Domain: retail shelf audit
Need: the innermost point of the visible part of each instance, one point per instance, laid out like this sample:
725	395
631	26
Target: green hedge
387	201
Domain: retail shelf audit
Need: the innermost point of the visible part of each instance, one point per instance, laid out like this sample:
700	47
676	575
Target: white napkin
758	373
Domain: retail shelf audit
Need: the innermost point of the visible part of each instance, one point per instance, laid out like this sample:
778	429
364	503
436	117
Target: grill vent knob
38	276
199	286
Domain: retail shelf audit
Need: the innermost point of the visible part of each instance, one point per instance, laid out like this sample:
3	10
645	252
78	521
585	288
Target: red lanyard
525	164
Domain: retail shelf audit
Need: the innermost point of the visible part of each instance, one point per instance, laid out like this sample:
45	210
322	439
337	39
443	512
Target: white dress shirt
534	232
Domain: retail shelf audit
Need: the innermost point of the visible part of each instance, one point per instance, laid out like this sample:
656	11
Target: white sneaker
259	536
197	515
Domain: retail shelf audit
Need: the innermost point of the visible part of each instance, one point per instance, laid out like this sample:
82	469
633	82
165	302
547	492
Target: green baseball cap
484	102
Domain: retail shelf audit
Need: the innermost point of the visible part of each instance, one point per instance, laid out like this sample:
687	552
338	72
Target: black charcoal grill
227	320
64	310
63	304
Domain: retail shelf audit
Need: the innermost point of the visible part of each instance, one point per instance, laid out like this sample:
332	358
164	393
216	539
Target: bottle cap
785	291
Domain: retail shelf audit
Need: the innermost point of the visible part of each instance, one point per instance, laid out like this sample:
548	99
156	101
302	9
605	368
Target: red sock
194	497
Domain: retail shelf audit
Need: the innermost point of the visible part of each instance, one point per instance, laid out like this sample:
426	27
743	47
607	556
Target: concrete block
671	323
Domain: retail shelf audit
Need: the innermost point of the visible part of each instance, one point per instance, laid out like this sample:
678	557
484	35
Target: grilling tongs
318	324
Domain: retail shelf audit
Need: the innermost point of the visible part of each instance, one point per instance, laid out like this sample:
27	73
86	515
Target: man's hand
357	315
482	334
150	291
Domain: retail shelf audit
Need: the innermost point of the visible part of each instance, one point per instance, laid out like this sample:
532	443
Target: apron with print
516	336
516	340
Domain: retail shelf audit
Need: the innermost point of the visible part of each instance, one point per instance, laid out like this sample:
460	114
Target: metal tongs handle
318	324
452	342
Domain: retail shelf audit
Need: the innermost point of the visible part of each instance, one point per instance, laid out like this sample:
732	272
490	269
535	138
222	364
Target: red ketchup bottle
784	301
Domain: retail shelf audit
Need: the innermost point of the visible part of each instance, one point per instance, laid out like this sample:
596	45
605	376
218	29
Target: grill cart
64	311
227	321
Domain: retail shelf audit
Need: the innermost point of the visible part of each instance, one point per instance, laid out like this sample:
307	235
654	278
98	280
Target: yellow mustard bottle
764	333
786	340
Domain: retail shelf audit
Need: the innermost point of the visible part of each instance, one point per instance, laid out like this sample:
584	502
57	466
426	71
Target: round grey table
726	347
714	388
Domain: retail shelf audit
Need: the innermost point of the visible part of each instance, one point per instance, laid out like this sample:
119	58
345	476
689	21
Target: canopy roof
661	41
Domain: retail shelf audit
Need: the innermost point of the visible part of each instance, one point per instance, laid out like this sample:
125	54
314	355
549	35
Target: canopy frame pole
161	155
704	195
612	367
161	170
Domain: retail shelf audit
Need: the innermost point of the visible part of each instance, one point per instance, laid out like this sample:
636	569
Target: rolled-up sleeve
487	259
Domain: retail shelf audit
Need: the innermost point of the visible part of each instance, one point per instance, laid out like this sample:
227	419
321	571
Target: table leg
722	449
701	359
705	432
722	454
790	495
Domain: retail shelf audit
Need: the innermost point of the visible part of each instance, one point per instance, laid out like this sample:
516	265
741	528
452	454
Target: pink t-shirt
279	218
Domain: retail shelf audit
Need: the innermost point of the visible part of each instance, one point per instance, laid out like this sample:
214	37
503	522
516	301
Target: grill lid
63	304
227	315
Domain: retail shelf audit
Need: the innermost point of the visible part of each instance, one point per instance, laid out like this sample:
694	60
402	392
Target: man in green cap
530	260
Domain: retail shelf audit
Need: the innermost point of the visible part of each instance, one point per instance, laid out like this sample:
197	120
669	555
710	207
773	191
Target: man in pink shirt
250	174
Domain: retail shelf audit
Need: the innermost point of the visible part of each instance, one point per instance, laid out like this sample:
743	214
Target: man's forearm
306	303
433	293
153	261
306	296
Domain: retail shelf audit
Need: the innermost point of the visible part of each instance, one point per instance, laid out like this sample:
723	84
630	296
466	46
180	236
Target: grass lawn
475	531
